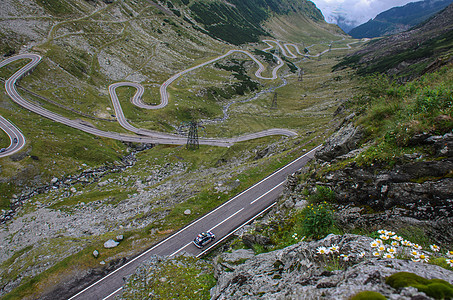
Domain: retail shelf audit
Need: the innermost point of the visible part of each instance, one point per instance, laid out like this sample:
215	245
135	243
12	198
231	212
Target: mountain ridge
408	54
399	19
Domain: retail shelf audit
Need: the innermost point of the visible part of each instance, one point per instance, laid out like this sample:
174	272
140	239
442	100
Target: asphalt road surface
222	221
17	139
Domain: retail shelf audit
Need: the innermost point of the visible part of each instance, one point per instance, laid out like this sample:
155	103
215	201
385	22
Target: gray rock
187	212
111	244
103	183
119	238
251	239
298	270
95	253
236	256
343	141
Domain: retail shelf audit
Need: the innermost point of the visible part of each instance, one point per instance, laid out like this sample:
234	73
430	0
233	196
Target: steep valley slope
68	192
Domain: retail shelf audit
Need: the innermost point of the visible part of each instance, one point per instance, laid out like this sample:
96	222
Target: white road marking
267	192
180	249
226	219
112	294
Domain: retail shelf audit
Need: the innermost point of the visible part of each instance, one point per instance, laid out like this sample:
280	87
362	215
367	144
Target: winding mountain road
17	139
143	135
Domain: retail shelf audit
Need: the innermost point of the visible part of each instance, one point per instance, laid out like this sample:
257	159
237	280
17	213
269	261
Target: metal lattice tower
274	101
192	137
301	74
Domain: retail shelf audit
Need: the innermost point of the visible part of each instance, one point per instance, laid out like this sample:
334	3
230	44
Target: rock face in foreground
415	191
297	271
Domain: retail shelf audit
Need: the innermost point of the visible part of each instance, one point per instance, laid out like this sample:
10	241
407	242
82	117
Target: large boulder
111	244
341	142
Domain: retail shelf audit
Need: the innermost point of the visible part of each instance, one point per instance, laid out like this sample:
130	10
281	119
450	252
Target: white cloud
355	12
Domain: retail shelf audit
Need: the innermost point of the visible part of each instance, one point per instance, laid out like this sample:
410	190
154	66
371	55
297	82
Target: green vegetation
179	278
56	7
436	288
392	114
368	295
240	21
318	220
314	221
322	194
227	23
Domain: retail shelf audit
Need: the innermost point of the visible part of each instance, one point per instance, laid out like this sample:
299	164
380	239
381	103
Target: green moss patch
368	295
436	288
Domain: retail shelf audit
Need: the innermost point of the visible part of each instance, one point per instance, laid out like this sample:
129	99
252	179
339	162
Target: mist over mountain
350	14
399	19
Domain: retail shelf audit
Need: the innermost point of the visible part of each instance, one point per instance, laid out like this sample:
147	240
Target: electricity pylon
192	136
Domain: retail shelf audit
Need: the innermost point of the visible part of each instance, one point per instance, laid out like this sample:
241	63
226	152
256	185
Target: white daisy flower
450	262
344	257
322	250
376	253
384	237
374	244
417	246
391	250
388	255
333	248
423	257
397	238
450	254
434	247
406	243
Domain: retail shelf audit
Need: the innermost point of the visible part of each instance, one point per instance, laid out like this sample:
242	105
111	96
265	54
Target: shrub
318	221
322	194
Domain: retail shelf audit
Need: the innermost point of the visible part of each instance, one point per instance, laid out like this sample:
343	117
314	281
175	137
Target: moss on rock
436	288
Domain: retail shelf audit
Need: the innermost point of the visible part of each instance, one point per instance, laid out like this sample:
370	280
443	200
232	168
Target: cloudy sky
355	12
